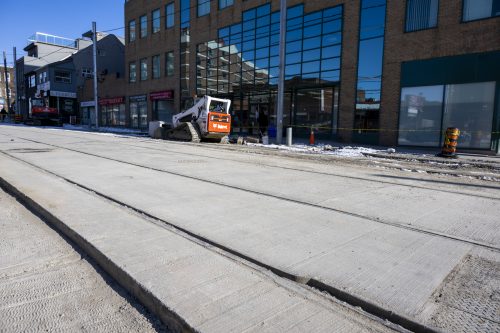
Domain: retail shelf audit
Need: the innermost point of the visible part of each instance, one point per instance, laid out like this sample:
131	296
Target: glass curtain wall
243	64
371	50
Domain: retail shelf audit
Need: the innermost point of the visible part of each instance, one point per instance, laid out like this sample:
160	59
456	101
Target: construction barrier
450	142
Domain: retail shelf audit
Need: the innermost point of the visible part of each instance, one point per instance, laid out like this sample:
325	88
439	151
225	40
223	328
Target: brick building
370	71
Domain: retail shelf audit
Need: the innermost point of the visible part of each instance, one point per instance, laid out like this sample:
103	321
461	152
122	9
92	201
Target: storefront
439	97
163	105
138	107
66	104
87	112
112	111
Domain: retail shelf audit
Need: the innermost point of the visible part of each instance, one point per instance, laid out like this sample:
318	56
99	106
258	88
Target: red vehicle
41	114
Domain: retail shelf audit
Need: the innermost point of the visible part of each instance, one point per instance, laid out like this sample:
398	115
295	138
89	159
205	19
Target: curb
168	317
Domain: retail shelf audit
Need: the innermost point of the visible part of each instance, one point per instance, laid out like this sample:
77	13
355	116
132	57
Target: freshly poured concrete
45	285
396	268
209	291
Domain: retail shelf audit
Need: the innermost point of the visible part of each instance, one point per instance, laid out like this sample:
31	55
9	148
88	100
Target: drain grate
470	300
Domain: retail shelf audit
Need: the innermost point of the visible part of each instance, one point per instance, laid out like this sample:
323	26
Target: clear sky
65	18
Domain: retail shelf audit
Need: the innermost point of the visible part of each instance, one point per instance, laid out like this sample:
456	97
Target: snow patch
346	151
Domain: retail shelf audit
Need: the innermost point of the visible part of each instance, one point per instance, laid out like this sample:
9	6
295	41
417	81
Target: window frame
155	20
200	4
143	30
141	62
405	26
130	24
134	79
221	7
169	15
463	20
62	79
169	58
155	72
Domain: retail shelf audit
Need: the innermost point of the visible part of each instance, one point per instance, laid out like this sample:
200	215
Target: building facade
371	71
7	88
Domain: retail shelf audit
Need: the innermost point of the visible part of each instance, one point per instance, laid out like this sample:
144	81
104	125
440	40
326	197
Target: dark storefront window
138	112
371	50
113	115
421	14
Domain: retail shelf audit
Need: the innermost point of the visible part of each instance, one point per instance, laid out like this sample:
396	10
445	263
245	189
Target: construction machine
208	119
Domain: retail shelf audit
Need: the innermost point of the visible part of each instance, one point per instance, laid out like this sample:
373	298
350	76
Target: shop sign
166	94
65	94
87	104
112	100
138	98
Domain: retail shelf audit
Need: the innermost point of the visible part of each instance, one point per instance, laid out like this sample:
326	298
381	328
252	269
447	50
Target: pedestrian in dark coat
263	123
3	114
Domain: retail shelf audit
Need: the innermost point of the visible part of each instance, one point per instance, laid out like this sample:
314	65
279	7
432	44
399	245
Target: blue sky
64	18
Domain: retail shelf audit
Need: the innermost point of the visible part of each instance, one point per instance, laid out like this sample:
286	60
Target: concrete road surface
425	248
47	286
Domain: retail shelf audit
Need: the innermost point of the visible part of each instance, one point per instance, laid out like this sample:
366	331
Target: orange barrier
450	142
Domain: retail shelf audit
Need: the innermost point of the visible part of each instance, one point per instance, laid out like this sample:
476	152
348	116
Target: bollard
450	142
311	137
289	136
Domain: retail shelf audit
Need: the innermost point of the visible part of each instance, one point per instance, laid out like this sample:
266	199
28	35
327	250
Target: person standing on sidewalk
3	114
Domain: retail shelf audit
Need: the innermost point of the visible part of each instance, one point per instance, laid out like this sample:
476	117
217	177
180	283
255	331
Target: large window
144	69
370	58
225	3
420	116
169	15
185	13
132	73
156	66
144	26
155	21
203	7
426	112
169	63
478	9
62	76
421	14
469	107
131	31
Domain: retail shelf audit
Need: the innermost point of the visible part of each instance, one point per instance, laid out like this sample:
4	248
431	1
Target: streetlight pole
6	80
94	54
281	82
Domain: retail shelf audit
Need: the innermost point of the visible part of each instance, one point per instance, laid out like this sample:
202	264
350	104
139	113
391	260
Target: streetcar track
269	195
355	303
284	168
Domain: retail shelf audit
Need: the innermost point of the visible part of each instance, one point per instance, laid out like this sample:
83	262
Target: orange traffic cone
311	137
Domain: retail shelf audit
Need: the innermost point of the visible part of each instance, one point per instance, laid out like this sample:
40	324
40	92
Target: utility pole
6	80
96	104
281	82
15	79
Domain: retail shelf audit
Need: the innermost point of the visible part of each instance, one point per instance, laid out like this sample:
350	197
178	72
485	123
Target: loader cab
221	106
